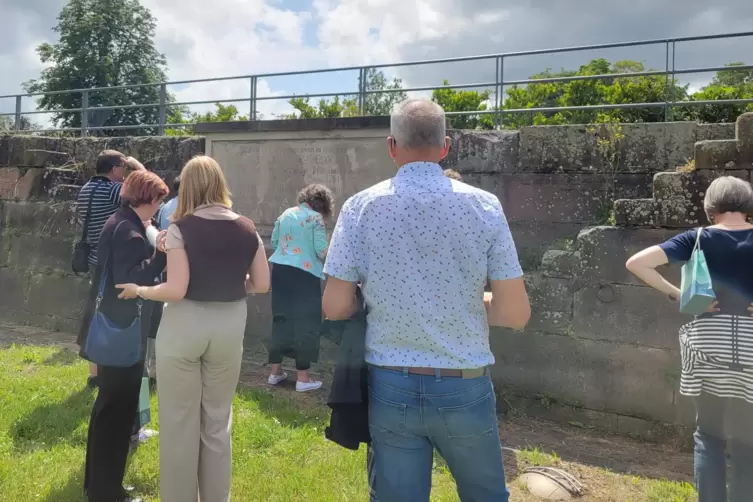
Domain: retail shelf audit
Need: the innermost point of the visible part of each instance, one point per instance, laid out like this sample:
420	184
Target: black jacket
129	258
349	396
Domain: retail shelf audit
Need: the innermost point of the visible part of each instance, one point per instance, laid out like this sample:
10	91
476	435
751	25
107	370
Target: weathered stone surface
20	183
715	132
41	218
40	253
561	263
643	148
715	154
483	151
551	303
259	320
597	375
13	290
604	250
744	135
57	296
561	198
627	314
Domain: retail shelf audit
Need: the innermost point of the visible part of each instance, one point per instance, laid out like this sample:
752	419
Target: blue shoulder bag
108	344
696	291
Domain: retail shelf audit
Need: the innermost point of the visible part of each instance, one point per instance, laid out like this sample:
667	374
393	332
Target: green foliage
7	124
178	115
725	85
324	109
645	89
464	101
102	43
374	104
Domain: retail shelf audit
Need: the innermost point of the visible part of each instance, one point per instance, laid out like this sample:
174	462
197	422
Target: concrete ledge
286	125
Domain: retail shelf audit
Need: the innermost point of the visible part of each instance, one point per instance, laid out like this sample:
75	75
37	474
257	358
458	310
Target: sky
217	38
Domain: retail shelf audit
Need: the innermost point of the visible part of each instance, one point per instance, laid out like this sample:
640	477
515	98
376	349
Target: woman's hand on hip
129	291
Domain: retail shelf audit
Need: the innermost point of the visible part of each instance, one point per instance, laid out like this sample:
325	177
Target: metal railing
498	86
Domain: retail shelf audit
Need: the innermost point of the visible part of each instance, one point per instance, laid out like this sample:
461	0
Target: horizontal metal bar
410	63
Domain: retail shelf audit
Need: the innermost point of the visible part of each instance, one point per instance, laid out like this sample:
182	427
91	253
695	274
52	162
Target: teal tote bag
696	292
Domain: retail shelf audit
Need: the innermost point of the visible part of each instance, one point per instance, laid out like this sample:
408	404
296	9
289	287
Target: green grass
280	453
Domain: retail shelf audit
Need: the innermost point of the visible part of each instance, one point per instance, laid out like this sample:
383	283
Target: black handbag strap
85	231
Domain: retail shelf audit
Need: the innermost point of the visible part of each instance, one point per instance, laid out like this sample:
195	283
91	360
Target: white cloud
243	37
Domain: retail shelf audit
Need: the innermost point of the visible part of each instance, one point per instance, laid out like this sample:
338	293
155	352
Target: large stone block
41	218
483	151
561	198
41	253
551	303
57	296
637	148
561	263
259	319
604	251
597	375
744	135
715	132
720	154
627	314
13	291
533	238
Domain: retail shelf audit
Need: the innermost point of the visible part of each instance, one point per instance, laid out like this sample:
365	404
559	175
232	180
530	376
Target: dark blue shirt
729	255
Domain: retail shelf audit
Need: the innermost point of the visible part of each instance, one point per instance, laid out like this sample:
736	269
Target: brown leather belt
445	373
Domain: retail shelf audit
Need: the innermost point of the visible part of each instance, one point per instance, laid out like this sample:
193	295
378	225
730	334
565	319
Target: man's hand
134	165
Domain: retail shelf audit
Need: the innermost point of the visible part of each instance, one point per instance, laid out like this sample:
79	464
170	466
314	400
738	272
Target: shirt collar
420	169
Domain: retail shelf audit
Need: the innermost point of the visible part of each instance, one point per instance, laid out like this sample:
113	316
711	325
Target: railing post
500	78
84	113
666	84
252	100
361	90
17	125
162	109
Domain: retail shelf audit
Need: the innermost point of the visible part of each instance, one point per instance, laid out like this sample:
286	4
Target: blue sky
240	37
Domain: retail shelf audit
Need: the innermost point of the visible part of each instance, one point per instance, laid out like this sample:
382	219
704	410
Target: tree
324	109
381	103
103	43
8	124
378	103
731	84
464	101
639	89
222	113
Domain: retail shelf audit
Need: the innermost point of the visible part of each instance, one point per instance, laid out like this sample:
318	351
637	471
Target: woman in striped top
717	347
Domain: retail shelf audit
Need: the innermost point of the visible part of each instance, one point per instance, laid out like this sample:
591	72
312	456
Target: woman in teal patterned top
300	242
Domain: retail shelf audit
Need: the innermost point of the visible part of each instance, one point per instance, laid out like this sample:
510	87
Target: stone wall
600	349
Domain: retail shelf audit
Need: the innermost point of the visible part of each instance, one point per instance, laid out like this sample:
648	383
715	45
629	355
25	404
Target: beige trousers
199	350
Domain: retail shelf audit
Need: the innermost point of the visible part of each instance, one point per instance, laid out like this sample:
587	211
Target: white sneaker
276	379
307	386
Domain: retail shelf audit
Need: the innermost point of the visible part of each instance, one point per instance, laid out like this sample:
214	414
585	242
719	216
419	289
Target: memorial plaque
265	176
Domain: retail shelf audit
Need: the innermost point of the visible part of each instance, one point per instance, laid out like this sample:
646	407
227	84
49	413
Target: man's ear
391	146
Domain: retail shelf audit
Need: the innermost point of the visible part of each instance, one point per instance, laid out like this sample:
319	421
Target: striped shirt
717	357
106	201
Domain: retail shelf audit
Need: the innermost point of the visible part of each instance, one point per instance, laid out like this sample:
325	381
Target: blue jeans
723	449
410	415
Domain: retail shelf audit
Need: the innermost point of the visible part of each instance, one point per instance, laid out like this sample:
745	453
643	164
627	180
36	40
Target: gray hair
728	194
418	124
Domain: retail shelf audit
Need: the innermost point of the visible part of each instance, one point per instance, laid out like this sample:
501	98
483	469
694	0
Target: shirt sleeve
680	247
320	236
502	258
341	257
174	239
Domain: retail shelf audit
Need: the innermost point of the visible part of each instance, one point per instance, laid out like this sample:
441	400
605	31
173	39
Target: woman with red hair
125	255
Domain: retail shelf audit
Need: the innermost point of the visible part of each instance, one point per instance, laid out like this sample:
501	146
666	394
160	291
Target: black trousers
296	316
110	429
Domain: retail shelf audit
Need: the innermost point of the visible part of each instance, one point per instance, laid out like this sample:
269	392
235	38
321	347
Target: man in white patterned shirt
423	247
